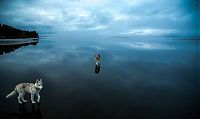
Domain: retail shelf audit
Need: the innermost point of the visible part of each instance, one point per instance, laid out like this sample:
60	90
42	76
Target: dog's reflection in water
24	114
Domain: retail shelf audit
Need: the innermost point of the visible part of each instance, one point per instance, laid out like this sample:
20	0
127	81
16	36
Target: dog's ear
41	80
37	80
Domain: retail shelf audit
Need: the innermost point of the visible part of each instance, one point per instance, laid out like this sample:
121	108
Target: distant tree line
11	32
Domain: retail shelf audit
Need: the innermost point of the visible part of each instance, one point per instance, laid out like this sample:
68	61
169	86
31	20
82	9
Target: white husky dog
31	88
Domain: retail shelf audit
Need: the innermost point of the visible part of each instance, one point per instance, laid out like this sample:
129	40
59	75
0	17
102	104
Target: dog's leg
19	96
32	98
38	96
22	97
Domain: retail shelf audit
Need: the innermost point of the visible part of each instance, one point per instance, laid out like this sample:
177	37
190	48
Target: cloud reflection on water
147	46
144	81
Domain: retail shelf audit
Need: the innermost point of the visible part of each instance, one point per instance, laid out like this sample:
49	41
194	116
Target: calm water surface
140	78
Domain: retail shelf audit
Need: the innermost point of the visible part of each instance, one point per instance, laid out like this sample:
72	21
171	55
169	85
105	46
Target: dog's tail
12	93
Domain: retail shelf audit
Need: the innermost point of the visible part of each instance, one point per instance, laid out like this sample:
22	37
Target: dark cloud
115	17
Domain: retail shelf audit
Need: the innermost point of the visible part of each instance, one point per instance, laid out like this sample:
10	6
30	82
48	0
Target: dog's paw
20	102
34	102
24	100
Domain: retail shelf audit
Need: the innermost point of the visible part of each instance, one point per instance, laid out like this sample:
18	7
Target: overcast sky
124	17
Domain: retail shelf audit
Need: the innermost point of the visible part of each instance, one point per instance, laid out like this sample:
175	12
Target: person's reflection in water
24	114
97	68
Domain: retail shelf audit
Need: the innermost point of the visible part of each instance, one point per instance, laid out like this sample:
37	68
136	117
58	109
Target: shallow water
140	78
